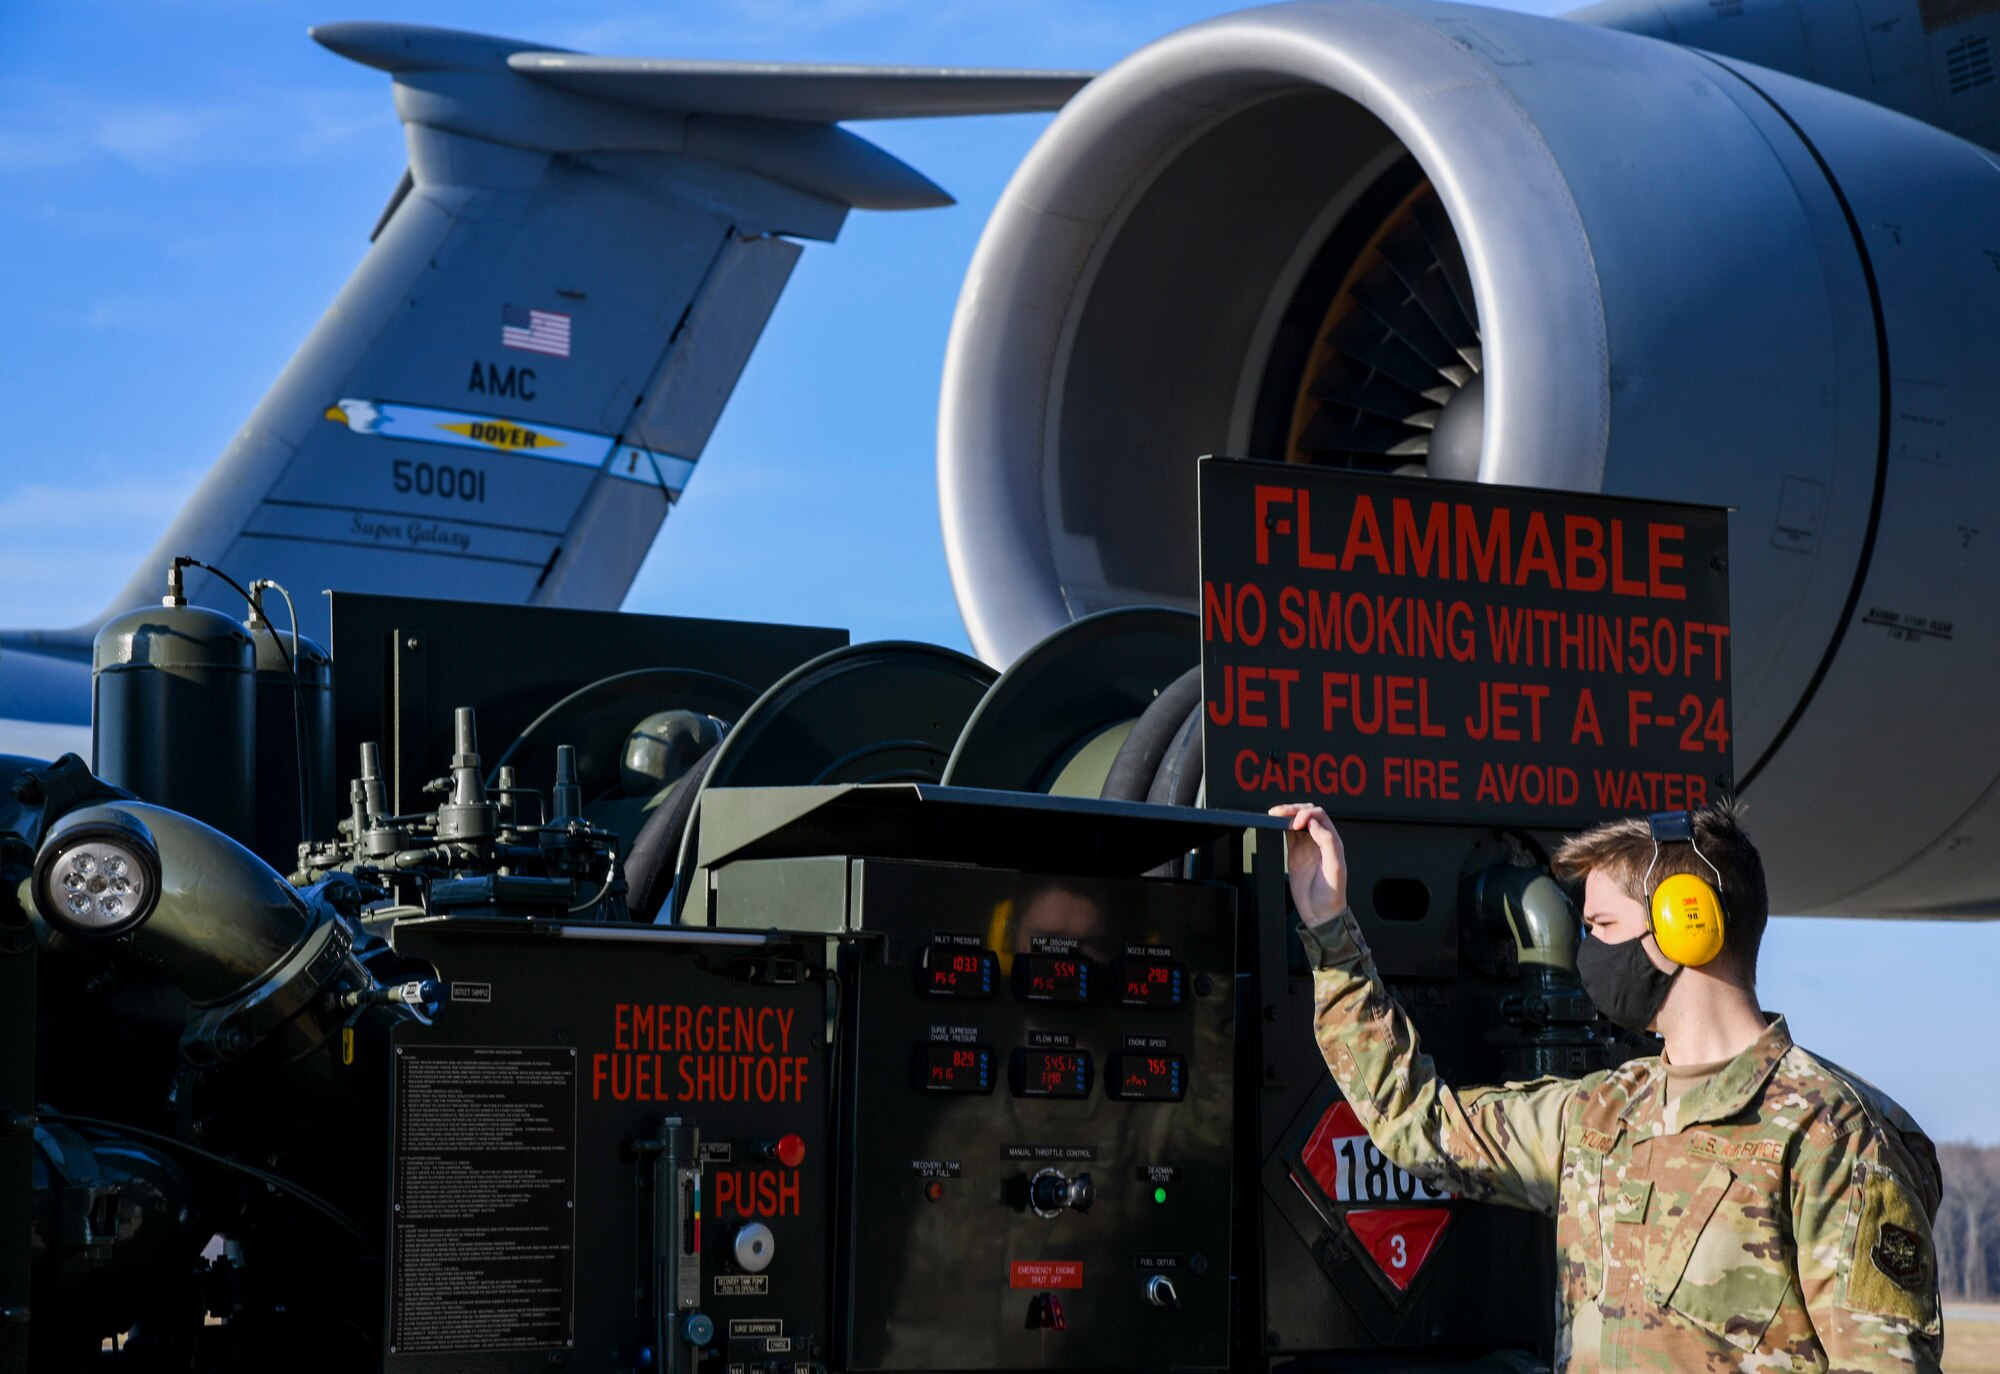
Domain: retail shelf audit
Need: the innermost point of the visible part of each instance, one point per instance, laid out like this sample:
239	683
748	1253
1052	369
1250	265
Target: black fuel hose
1139	757
1178	781
656	850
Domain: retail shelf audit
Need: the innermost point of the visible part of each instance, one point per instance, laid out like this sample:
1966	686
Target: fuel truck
514	988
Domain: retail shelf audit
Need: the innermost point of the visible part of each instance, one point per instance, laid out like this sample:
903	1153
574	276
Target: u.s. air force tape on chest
1705	1146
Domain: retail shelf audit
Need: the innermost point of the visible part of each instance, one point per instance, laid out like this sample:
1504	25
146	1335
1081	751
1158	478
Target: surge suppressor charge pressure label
1404	649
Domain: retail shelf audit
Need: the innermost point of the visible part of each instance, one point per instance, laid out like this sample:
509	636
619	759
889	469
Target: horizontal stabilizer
419	47
808	92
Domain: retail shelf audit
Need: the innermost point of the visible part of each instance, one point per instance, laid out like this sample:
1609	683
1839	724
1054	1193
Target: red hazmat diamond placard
1348	1168
1399	1239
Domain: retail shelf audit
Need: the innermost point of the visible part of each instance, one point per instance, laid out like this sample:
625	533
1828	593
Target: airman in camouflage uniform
1773	1216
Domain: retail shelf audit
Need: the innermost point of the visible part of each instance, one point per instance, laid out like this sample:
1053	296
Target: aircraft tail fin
517	383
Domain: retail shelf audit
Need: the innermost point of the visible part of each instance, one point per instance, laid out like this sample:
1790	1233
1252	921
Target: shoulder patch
1899	1253
1893	1272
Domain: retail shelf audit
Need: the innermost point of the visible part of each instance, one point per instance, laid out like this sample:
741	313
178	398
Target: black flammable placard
1405	649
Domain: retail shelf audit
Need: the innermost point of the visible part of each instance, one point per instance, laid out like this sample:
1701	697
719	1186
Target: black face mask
1622	981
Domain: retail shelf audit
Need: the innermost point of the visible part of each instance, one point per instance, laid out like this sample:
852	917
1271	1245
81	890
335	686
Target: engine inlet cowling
1435	239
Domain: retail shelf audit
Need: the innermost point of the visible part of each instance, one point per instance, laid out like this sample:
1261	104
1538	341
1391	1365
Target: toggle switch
1160	1292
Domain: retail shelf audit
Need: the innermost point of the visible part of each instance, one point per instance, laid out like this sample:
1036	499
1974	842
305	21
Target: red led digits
1052	978
1051	1073
1143	1077
954	1068
1150	982
957	971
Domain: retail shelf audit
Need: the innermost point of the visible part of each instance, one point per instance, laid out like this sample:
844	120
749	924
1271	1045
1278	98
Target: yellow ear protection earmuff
1688	915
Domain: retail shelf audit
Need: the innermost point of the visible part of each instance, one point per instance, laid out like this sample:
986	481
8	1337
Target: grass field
1972	1338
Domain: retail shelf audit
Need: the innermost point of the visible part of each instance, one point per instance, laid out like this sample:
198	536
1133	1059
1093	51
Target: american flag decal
537	331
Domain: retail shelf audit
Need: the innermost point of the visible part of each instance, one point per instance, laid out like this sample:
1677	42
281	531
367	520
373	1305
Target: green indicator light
1159	1195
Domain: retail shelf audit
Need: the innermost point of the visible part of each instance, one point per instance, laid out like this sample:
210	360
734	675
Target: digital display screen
1149	1077
955	1068
1052	978
947	970
1150	982
1051	1073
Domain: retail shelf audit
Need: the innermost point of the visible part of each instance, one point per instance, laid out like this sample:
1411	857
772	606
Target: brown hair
1623	849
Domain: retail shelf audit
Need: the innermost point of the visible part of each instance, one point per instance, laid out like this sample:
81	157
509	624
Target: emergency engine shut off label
484	1221
1425	650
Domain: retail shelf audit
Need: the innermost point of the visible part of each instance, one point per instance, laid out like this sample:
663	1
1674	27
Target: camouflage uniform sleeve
1861	1220
1501	1144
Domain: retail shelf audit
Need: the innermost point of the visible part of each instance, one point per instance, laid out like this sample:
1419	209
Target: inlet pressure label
1411	649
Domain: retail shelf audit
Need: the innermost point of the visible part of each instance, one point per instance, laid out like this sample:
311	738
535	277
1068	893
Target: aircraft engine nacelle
1434	238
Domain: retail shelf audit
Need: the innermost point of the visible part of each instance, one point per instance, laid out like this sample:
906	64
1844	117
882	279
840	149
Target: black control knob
1051	1192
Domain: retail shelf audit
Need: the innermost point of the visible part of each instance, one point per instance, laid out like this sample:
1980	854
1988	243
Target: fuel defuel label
1404	649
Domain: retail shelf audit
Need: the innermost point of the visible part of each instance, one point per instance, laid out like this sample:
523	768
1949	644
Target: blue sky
184	184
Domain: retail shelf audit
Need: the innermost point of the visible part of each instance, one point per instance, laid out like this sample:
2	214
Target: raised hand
1315	861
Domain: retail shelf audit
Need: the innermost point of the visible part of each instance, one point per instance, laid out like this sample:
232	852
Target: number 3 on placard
1399	1253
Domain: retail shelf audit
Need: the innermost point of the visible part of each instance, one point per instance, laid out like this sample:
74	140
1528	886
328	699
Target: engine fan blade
1368	341
1409	253
1450	257
1348	383
1383	295
1336	428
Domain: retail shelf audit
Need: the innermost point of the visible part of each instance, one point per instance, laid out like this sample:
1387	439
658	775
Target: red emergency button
790	1150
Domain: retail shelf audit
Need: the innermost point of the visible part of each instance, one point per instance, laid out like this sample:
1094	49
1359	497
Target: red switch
1045	1313
790	1150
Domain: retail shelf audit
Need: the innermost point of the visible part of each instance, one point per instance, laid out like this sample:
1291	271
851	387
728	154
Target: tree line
1967	1230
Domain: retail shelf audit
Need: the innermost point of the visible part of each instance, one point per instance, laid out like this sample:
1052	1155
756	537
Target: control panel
1038	1081
614	1147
